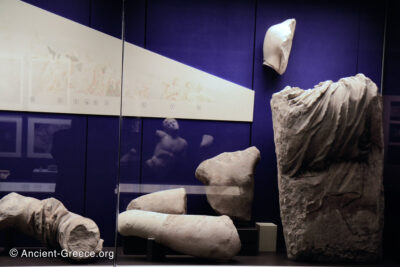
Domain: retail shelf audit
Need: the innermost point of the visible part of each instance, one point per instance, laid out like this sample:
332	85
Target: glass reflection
31	148
170	149
10	136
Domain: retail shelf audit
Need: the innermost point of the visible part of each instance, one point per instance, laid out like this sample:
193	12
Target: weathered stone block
329	149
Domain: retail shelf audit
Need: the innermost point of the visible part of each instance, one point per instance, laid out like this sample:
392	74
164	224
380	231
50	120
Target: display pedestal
248	234
133	245
155	252
9	240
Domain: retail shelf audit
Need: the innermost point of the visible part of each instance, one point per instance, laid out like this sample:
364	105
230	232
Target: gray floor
263	259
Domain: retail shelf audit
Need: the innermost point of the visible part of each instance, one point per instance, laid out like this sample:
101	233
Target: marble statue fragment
277	45
329	147
226	171
170	148
213	237
51	223
172	201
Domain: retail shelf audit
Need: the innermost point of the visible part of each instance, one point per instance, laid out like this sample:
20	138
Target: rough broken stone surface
277	45
329	149
51	223
230	182
172	201
213	237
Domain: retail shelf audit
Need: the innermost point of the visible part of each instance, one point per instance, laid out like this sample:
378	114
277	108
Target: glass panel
174	116
193	87
60	95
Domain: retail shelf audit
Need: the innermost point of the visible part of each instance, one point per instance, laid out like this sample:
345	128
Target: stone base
267	236
248	234
133	245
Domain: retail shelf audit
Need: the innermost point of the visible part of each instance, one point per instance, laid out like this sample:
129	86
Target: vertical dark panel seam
359	36
384	44
90	13
86	166
141	154
146	4
119	134
252	74
85	180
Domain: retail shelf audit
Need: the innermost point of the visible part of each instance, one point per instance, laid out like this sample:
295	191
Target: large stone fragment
51	223
329	149
277	45
172	201
197	235
226	172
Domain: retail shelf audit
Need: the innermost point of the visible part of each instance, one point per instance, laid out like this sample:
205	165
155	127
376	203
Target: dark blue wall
392	161
332	40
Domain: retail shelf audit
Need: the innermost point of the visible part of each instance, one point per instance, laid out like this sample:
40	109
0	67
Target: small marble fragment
172	201
277	45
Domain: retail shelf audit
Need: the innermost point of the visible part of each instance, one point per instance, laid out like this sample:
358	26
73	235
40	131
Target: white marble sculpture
277	45
51	223
172	201
197	235
170	147
227	170
329	147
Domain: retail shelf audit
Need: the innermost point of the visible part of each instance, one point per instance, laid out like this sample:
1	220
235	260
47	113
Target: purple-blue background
333	39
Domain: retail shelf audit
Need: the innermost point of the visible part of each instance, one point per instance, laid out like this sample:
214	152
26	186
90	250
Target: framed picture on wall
10	136
40	135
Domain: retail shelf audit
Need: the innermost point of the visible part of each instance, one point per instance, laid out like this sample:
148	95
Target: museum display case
60	97
148	132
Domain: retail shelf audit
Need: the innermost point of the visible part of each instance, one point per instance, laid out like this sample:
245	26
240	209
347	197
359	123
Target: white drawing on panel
90	78
72	68
40	135
49	81
10	136
67	67
156	86
11	77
